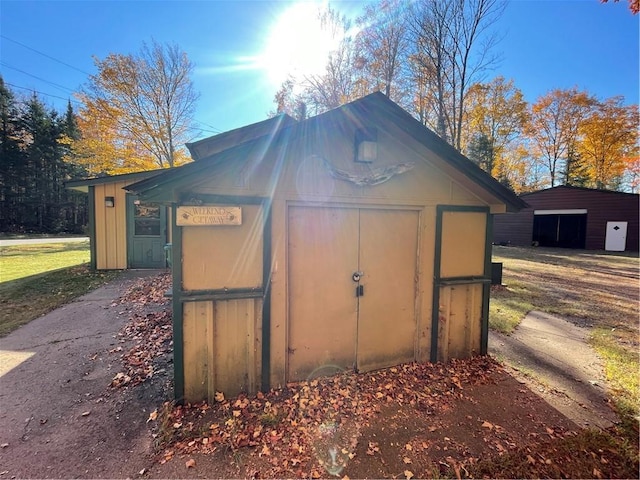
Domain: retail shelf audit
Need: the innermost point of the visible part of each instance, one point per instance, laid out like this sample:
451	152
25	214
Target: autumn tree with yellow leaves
136	111
495	117
608	139
553	130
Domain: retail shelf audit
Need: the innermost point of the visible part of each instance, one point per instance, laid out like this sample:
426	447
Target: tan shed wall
463	239
111	227
460	321
216	258
460	305
220	257
222	345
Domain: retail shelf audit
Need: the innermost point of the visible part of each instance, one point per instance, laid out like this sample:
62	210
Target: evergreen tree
34	143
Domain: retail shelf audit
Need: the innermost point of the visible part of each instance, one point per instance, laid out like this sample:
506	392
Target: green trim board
266	302
439	281
178	333
197	199
92	228
486	288
224	294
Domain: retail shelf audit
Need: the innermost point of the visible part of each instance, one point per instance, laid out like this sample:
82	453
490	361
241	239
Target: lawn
21	261
592	289
35	279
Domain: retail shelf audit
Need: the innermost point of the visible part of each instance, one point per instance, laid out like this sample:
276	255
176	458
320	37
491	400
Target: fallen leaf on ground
190	463
152	416
408	474
88	412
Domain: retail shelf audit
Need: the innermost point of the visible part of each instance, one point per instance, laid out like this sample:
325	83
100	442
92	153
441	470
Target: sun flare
298	44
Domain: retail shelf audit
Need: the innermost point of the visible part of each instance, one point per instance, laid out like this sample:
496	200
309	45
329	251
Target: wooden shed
573	217
124	231
356	239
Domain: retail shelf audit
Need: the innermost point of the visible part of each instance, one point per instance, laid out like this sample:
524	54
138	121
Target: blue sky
545	45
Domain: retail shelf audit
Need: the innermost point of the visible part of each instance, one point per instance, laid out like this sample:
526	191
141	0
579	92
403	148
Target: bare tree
452	43
149	96
381	48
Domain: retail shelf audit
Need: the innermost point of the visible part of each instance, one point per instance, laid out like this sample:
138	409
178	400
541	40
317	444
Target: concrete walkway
58	419
555	360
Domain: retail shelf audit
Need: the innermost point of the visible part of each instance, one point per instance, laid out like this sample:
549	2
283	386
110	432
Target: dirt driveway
60	419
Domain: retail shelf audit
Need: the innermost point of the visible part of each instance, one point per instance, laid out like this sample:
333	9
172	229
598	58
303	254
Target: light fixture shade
109	202
366	145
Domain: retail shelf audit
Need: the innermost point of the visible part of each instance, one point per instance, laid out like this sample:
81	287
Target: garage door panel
323	251
387	322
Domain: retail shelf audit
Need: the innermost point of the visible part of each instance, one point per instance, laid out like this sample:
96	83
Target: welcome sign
208	215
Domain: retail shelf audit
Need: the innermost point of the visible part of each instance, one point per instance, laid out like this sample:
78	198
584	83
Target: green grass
28	298
619	368
35	279
509	306
25	260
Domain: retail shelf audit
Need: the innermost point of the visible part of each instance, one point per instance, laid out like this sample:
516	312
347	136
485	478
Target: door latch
360	291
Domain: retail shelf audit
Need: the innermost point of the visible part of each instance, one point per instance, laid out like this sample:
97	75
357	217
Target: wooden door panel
458	313
460	321
387	320
323	254
463	244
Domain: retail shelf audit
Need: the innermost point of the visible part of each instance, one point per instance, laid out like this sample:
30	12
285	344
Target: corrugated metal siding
513	228
602	207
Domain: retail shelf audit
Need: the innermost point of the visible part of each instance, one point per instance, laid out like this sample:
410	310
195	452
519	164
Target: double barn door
352	288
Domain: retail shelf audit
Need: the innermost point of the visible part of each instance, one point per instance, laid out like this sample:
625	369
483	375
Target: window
146	219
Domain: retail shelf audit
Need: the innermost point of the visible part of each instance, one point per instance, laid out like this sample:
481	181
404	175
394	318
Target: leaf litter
329	425
149	327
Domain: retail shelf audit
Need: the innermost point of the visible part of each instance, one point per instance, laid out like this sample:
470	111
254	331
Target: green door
146	233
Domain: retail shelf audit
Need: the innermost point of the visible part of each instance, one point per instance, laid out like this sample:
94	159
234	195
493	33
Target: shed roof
84	184
578	189
374	109
217	143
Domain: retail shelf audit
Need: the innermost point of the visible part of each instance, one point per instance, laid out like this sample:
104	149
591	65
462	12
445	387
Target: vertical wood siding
460	321
222	345
111	227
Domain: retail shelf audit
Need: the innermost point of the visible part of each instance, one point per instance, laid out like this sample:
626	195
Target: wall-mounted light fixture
366	145
109	202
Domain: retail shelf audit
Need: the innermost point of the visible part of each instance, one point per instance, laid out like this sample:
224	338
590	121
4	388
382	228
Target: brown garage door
335	320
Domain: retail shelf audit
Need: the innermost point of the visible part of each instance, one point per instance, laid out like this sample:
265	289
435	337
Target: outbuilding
124	231
573	217
356	240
